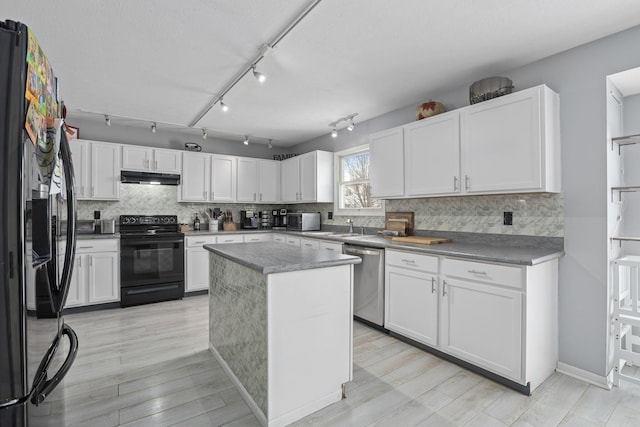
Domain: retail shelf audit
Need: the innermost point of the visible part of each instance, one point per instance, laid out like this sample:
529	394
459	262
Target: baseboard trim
586	376
243	391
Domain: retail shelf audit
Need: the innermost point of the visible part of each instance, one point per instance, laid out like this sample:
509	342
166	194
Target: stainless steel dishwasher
368	283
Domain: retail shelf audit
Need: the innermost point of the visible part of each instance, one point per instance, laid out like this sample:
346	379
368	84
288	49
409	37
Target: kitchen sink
318	233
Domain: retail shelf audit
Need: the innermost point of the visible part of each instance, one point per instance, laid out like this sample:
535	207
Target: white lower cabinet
197	262
482	324
411	295
96	273
502	318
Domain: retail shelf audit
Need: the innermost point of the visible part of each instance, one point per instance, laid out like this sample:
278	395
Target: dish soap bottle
196	223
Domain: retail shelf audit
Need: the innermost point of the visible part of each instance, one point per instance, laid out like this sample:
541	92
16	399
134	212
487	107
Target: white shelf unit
623	141
626	316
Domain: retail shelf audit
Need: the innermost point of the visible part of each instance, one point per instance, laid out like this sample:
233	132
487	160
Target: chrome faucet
350	222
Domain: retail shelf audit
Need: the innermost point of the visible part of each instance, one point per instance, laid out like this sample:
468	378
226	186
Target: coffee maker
248	219
279	218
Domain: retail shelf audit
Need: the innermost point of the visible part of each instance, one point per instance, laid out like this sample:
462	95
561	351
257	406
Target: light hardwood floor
150	366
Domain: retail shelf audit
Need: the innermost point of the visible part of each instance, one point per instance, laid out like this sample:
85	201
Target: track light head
246	140
153	127
258	75
351	125
334	133
270	145
223	106
107	120
204	134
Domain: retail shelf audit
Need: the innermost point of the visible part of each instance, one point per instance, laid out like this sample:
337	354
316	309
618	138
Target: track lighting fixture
204	134
270	145
223	106
246	140
153	127
348	119
351	125
258	75
107	120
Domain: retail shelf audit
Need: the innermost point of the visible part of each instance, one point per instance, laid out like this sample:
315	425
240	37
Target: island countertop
270	257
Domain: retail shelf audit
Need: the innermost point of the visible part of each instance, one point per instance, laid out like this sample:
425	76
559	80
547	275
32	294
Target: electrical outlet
330	215
508	218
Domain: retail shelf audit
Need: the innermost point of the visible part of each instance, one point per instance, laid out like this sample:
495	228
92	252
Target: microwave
300	221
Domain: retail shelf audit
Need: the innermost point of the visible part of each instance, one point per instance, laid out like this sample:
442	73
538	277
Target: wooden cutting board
399	221
422	240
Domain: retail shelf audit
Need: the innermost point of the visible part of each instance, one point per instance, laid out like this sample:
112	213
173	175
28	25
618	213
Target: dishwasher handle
350	250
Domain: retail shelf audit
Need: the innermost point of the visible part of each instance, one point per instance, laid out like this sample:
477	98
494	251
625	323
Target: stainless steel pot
489	88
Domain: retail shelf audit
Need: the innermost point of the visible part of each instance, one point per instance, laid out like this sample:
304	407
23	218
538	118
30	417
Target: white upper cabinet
432	155
268	181
308	178
511	143
247	179
508	144
223	178
207	178
96	169
258	180
196	177
387	163
149	159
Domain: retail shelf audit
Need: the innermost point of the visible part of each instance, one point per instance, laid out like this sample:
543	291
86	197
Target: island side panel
238	323
310	340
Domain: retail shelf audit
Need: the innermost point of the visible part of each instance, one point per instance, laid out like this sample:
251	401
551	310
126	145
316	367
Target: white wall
578	75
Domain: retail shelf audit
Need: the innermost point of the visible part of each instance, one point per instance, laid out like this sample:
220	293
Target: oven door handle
129	242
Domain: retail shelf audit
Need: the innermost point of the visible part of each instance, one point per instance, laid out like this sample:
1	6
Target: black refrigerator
36	195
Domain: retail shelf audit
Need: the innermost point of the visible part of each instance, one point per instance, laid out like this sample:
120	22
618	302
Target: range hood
136	177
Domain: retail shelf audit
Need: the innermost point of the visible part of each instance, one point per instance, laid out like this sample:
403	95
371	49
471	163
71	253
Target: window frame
337	173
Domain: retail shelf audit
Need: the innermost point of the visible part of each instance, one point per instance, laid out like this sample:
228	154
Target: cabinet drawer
483	272
264	237
412	260
231	238
97	245
198	241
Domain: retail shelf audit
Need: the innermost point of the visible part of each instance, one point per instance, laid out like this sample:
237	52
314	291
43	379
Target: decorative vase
428	109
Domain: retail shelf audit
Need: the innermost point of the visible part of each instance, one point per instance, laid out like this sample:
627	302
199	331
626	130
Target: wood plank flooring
150	366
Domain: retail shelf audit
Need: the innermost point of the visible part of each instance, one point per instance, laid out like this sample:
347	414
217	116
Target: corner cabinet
96	169
509	144
308	178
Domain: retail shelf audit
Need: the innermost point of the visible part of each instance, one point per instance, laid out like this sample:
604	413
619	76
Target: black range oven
151	259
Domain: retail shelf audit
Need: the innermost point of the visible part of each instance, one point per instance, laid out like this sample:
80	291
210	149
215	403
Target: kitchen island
280	324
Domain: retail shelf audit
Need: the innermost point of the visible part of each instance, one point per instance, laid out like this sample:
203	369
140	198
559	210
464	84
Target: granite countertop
476	251
271	257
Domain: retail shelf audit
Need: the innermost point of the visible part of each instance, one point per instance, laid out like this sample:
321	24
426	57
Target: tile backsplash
539	214
136	199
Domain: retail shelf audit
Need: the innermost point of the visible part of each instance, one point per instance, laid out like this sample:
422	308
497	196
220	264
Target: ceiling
164	61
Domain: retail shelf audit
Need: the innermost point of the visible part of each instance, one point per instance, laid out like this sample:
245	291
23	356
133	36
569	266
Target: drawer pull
200	242
330	249
484	273
409	261
85	247
308	244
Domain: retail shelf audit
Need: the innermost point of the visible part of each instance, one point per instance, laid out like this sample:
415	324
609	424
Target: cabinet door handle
93	192
155	165
254	197
484	273
409	261
444	288
466	182
455	183
79	262
433	285
260	196
90	260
